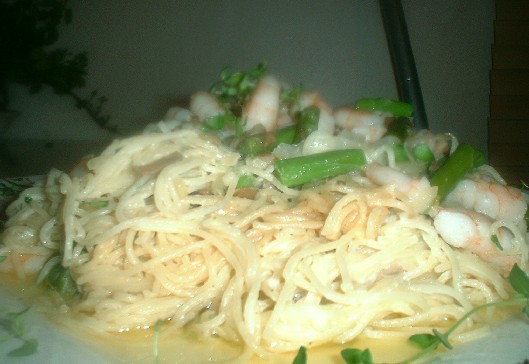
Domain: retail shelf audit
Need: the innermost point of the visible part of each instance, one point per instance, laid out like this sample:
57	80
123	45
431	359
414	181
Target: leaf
357	356
14	322
235	86
496	241
29	347
61	280
301	357
519	280
424	341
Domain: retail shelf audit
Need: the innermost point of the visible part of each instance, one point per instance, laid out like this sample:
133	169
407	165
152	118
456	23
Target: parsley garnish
234	87
60	280
301	356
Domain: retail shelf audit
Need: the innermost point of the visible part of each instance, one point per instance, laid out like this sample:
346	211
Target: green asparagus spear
307	123
260	143
299	170
463	160
396	108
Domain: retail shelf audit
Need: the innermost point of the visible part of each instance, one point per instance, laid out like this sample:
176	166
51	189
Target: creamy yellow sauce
181	346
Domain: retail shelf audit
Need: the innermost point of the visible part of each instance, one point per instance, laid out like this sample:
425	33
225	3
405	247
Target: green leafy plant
28	29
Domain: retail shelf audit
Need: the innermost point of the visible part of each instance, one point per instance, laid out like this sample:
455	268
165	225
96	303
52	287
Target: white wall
145	54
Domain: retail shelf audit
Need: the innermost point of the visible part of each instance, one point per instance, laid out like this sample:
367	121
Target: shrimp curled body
263	106
417	191
370	126
474	232
495	200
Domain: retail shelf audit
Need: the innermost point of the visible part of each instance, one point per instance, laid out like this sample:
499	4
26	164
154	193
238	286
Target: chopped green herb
519	280
28	199
235	86
424	341
2	258
496	241
60	279
301	356
357	356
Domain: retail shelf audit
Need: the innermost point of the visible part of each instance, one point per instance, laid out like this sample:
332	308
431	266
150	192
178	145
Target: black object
401	53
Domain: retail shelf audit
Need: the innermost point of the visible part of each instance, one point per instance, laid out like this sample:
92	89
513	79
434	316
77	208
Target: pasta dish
263	216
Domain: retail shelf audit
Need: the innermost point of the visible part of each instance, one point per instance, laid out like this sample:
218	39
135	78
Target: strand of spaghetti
434	288
440	314
46	232
287	292
485	273
312	249
261	209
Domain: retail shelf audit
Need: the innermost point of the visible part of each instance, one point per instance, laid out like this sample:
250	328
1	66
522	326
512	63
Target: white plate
507	344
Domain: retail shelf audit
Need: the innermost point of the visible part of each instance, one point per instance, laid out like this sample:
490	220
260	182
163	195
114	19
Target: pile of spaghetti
263	216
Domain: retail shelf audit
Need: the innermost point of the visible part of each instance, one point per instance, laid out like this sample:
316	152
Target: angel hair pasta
261	215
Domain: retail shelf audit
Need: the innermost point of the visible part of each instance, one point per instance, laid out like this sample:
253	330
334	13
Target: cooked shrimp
204	105
23	264
418	191
326	123
500	202
472	231
312	98
263	106
366	124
